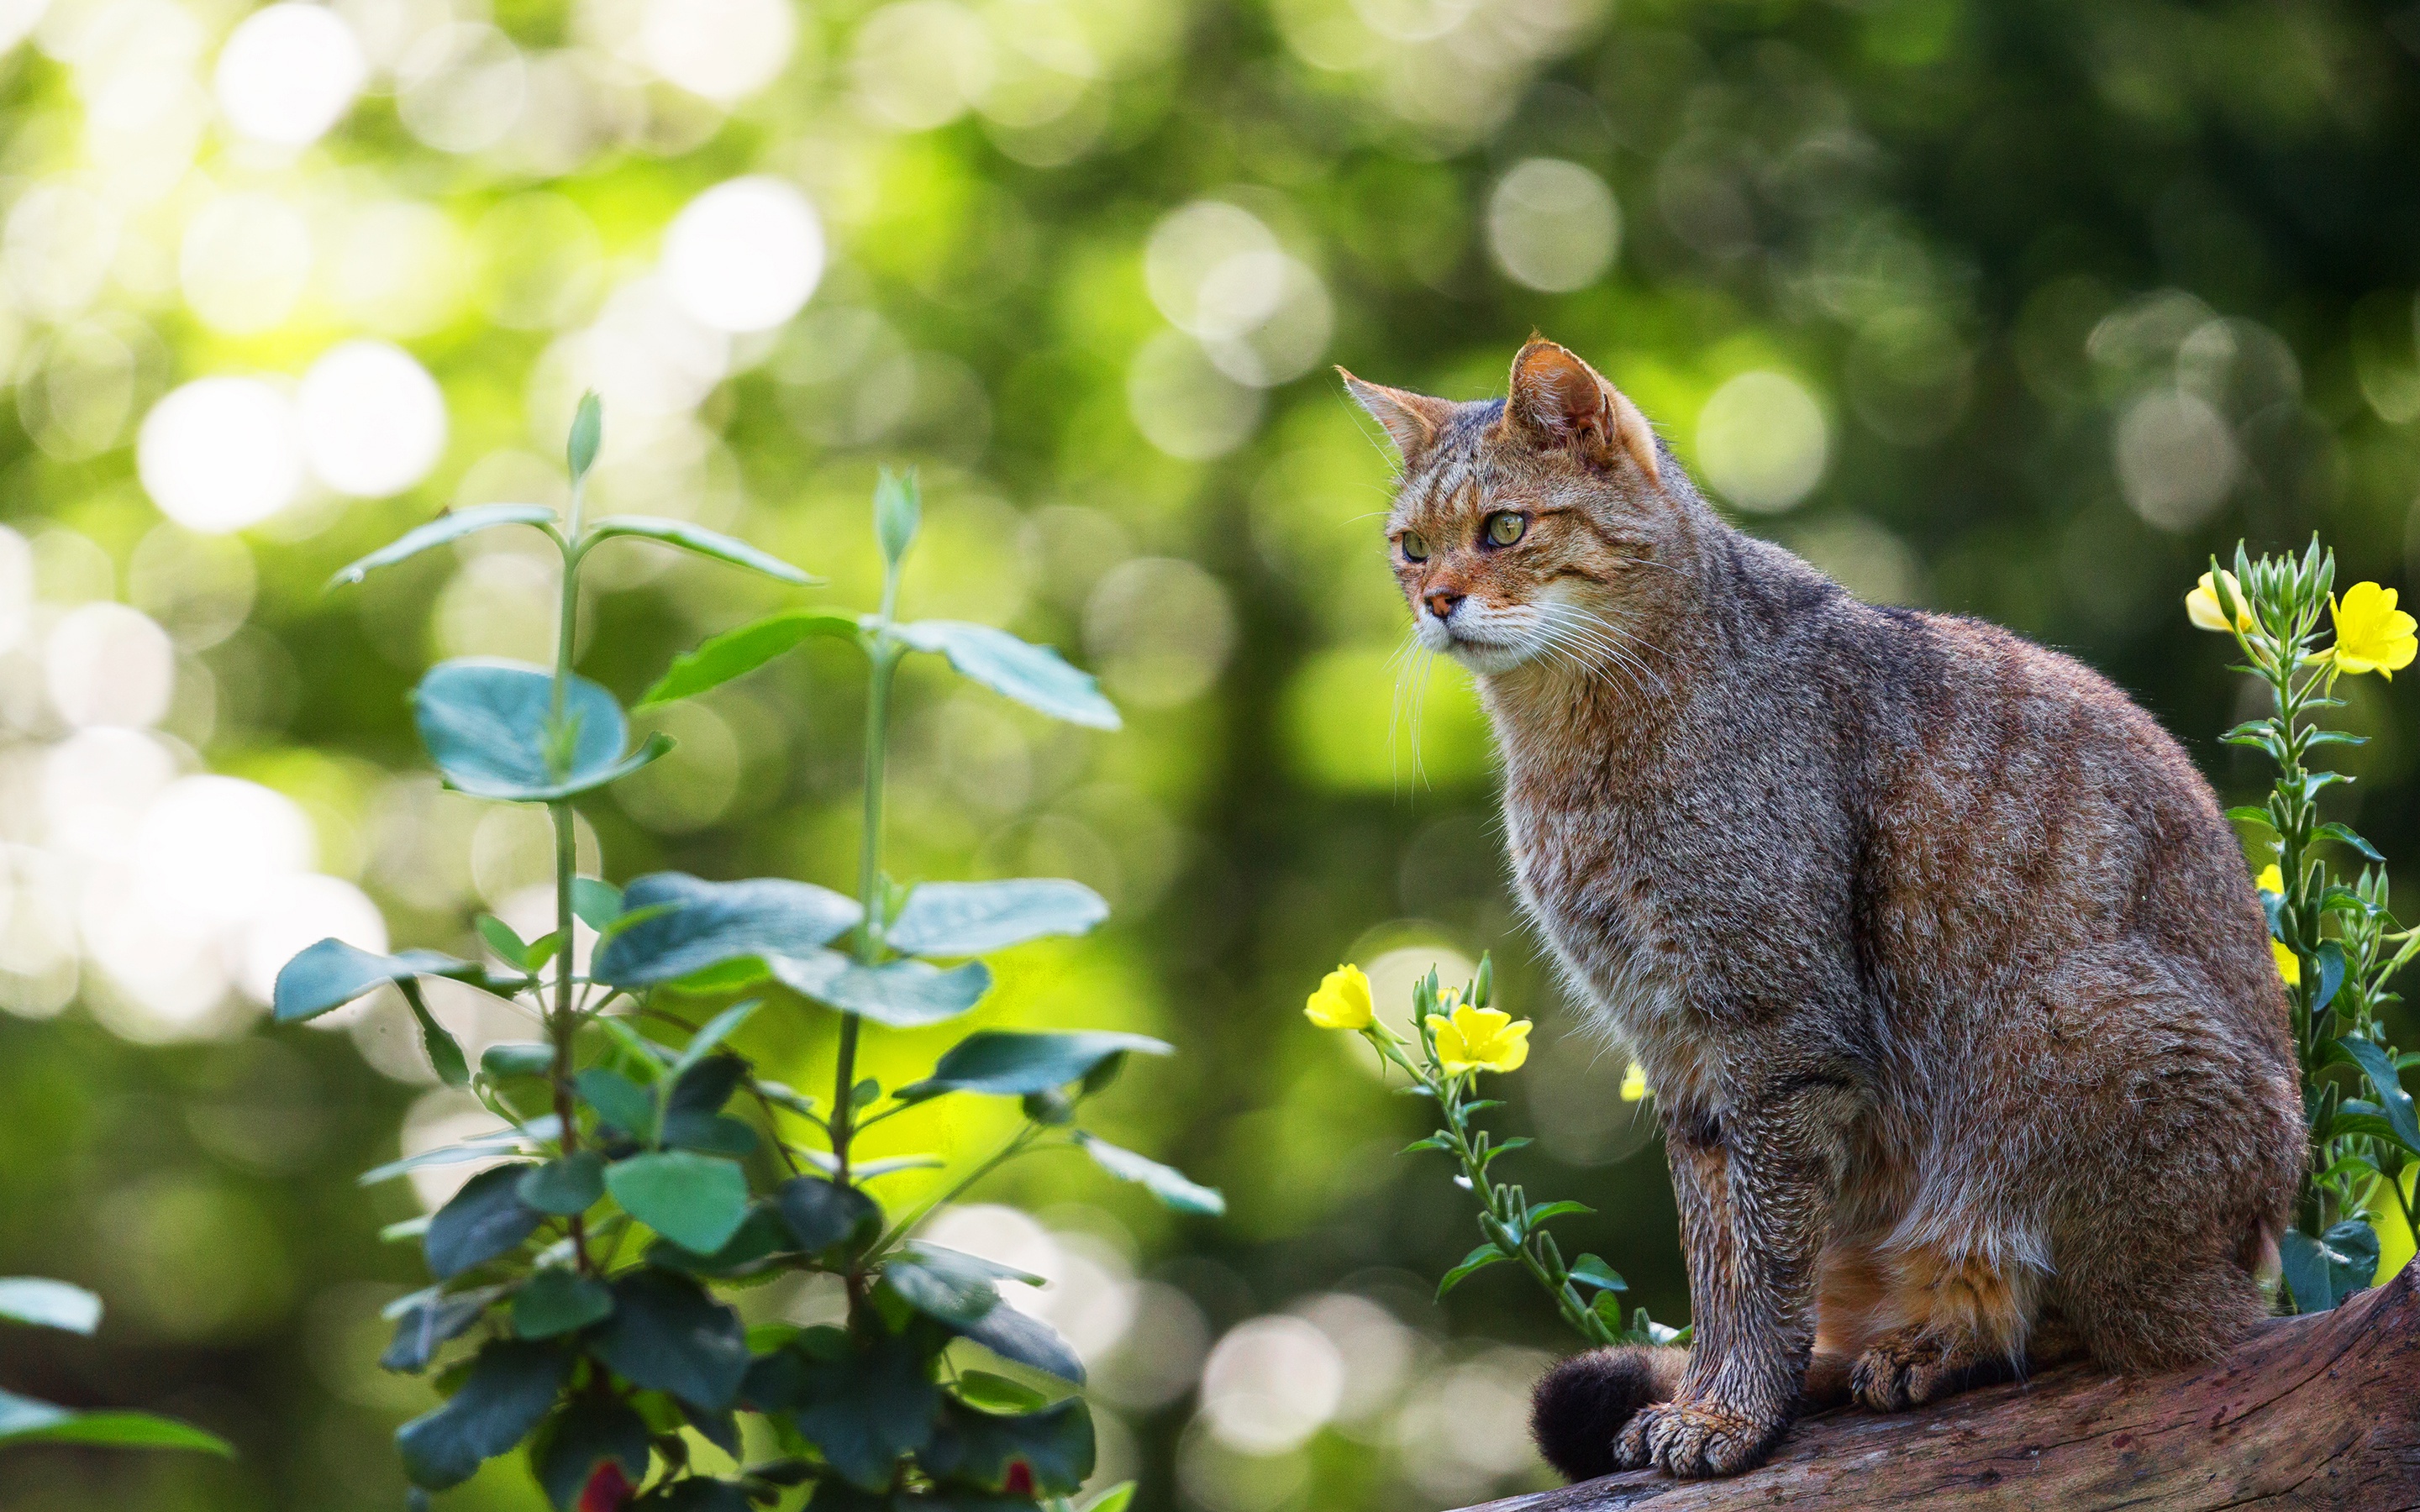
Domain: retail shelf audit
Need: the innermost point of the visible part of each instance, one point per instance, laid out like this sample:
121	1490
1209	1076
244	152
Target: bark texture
2312	1412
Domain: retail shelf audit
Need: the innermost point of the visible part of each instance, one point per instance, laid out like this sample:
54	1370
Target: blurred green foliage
2014	310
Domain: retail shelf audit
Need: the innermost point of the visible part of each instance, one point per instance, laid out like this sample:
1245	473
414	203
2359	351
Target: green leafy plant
45	1304
575	1305
2337	944
1459	1035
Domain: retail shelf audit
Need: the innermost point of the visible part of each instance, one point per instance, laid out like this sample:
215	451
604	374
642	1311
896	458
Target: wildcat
1957	1001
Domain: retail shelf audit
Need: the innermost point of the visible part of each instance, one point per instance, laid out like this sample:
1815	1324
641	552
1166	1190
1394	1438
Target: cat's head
1528	529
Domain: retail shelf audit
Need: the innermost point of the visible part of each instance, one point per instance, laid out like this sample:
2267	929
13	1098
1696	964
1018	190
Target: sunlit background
2010	310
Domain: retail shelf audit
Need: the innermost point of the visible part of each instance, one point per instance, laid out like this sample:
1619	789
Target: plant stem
564	1021
1017	1144
884	656
1498	1202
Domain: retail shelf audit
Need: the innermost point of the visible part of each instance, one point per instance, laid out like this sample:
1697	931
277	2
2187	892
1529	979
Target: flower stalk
1461	1035
2335	941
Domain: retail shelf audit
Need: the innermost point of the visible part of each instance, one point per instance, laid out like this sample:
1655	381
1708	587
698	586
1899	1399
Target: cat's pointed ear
1557	400
1413	421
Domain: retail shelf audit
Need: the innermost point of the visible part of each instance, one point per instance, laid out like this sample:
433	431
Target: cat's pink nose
1442	602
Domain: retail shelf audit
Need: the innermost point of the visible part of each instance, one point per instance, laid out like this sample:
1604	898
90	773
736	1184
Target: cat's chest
1605	900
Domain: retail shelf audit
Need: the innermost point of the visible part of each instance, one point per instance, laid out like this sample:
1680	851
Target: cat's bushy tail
1581	1405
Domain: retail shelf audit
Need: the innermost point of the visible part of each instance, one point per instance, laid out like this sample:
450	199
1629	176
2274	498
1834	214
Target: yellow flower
2201	605
2289	965
1343	1001
2372	635
1480	1038
1634	1085
2271	879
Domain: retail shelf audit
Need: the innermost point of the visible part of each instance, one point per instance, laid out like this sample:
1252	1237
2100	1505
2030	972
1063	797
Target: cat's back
2017	804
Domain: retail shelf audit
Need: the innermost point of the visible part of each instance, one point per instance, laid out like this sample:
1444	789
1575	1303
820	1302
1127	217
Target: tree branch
2312	1412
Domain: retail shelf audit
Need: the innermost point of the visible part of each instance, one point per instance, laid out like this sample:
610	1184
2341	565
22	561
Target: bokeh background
2013	309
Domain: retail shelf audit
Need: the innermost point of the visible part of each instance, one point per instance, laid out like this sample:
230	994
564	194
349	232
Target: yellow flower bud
1480	1038
1633	1084
1343	1001
2202	607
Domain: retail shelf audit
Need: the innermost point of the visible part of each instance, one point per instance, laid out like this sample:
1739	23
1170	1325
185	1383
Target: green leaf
444	1054
554	1302
489	725
1055	1444
588	435
760	1235
2322	1273
989	1393
509	1391
715	1031
23	1420
1168	1185
2330	958
331	974
485	1220
1477	1260
619	1101
1006	1063
592	1429
1018	1336
823	1217
2252	814
667	1335
598	902
708	923
704	543
899	994
696	1493
516	1057
696	1201
867	1170
2393	1103
45	1304
1589	1271
962	918
428	1318
736	653
509	947
564	1186
898	509
444	527
1530	1219
947	1285
2344	834
487	1145
1033	675
1118	1498
867	1408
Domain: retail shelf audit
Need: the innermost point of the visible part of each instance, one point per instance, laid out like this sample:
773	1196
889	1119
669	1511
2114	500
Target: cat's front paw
1693	1440
1911	1367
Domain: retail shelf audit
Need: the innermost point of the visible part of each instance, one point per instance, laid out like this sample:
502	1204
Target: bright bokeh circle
373	421
219	453
745	254
289	72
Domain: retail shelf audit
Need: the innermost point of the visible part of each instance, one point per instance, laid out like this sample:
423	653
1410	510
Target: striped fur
1945	967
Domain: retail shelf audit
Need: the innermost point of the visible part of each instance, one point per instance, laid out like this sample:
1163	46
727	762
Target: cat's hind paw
1910	1368
1695	1440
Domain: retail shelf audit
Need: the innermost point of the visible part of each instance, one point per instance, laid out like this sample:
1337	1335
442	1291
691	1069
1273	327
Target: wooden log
2319	1411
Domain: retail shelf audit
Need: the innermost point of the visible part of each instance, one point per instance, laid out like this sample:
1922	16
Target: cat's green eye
1504	528
1416	547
